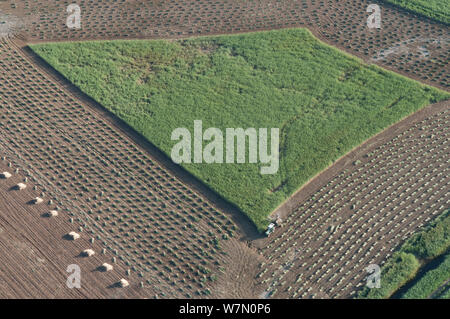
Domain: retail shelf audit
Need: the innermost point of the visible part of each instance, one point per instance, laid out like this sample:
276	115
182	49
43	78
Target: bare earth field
34	253
162	230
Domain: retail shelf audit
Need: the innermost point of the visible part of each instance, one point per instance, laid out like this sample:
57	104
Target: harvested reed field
159	229
323	102
360	210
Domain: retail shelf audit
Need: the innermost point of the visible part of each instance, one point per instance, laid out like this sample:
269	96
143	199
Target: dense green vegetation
404	264
324	101
430	282
436	9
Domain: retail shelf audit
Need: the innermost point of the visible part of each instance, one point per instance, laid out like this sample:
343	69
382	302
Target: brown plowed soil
166	234
359	210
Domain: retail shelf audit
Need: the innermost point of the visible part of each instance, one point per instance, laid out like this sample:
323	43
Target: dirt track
105	177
